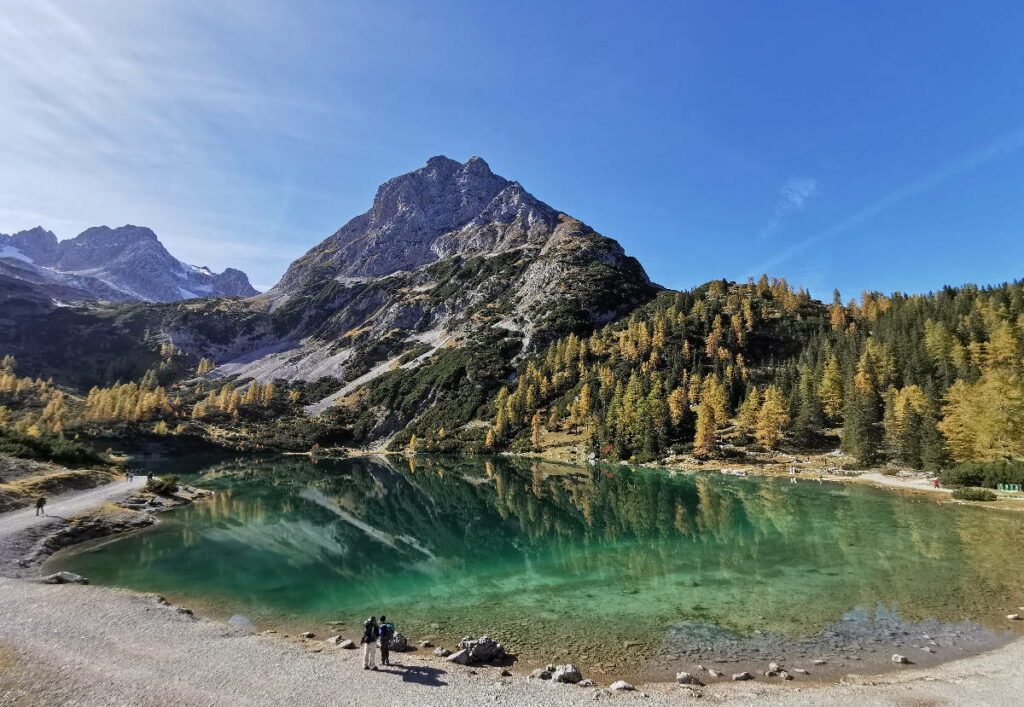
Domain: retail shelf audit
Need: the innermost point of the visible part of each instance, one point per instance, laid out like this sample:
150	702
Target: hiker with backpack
369	641
385	632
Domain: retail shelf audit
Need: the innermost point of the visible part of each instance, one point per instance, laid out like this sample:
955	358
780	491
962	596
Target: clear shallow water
565	562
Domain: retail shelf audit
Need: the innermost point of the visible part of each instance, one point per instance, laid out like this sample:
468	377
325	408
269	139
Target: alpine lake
626	572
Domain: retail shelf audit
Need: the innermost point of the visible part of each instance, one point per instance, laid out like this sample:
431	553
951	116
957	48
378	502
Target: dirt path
66	505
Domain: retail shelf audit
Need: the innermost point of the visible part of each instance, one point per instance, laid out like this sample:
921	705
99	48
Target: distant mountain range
448	254
114	264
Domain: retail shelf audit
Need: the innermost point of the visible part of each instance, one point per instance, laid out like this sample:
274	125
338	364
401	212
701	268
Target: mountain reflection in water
549	556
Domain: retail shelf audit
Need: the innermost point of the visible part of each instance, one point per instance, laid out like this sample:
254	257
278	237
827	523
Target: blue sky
862	145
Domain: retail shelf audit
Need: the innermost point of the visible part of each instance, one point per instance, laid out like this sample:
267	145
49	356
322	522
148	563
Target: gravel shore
75	645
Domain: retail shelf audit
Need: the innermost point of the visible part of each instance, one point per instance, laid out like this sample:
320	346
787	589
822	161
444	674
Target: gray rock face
441	209
461	657
566	673
481	650
445	252
117	264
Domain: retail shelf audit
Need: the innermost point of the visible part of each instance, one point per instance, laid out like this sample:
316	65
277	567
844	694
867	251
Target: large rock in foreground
480	650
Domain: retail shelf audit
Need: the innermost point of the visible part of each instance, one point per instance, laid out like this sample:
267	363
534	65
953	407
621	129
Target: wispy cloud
1011	142
148	112
793	196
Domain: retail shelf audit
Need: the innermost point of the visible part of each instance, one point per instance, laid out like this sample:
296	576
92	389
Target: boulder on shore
64	578
742	676
541	674
399	643
443	652
566	673
901	659
685	678
461	657
482	650
621	685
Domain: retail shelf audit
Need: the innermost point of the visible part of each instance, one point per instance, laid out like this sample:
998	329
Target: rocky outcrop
114	264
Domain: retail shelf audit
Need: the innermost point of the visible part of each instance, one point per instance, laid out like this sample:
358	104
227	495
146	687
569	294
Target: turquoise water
561	560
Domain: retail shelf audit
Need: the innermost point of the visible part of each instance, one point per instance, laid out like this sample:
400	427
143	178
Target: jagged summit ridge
125	263
443	208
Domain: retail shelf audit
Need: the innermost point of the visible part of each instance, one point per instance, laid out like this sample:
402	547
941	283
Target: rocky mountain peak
37	244
418	217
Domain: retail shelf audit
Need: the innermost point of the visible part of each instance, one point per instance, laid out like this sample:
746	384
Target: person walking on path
369	641
41	506
384	632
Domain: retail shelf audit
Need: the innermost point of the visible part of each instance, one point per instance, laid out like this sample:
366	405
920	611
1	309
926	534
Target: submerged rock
64	578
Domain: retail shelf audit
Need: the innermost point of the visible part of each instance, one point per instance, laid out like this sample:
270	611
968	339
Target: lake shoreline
108	636
818	676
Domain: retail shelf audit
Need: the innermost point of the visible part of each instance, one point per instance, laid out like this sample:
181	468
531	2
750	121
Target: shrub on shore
986	474
972	493
163	485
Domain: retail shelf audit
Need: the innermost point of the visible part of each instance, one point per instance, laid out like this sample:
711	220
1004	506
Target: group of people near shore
377	633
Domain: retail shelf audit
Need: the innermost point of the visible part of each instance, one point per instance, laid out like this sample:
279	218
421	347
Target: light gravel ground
73	645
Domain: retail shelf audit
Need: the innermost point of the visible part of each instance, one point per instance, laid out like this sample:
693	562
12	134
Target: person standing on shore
369	641
41	506
385	631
